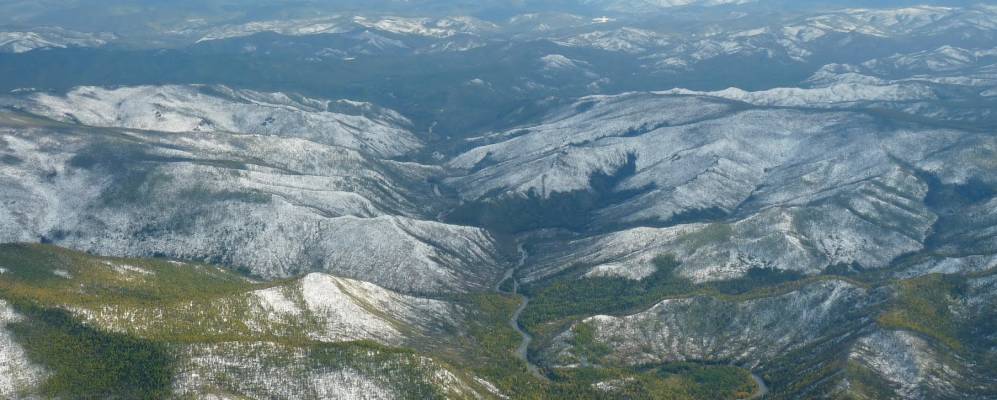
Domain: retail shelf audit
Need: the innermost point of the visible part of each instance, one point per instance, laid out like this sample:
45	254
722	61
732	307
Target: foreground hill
84	326
75	325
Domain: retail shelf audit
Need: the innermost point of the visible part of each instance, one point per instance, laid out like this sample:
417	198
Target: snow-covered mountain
799	39
943	59
799	189
920	20
626	39
352	125
284	27
708	198
635	6
47	38
439	28
268	183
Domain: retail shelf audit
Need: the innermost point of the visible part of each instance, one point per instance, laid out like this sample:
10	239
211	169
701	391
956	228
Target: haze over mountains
446	199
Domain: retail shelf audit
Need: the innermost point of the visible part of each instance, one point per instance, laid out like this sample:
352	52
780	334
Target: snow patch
343	318
633	272
276	303
555	62
905	360
126	269
490	387
17	373
709	328
355	310
348	384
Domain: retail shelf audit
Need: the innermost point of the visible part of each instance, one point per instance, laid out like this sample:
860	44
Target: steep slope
274	205
766	187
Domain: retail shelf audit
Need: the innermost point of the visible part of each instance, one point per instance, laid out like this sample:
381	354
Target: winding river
524	344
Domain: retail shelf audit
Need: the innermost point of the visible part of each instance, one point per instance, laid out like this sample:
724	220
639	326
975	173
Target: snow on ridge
307	205
349	384
635	272
942	59
300	27
560	62
349	310
923	19
783	161
650	5
625	40
838	93
343	317
946	65
436	28
127	270
440	28
905	360
193	108
44	38
797	40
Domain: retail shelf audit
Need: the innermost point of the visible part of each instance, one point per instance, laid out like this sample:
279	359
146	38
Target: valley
476	200
522	351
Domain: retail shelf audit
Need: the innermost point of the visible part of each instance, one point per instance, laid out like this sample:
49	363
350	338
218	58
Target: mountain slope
274	205
769	187
207	331
357	126
913	339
